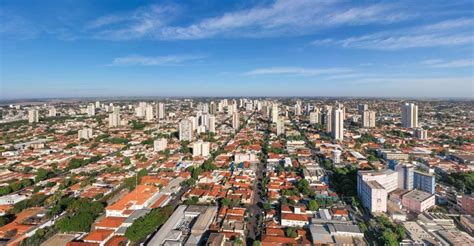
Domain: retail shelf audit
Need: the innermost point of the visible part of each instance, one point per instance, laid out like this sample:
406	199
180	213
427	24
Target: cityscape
236	123
259	171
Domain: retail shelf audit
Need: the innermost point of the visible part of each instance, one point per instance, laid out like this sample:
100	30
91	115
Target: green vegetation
83	213
462	181
145	225
15	186
344	181
40	236
33	201
137	125
130	183
313	205
291	232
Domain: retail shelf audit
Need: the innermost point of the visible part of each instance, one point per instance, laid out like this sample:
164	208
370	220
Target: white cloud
445	33
438	63
296	17
297	71
137	60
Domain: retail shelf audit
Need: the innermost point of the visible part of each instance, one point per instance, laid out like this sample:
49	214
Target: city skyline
69	49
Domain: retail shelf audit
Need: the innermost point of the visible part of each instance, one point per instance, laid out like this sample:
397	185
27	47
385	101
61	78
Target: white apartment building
33	116
160	144
85	133
337	128
201	148
185	130
368	119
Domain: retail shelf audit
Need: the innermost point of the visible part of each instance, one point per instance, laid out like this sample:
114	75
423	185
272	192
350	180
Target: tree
226	202
291	232
41	175
257	243
388	237
313	205
145	225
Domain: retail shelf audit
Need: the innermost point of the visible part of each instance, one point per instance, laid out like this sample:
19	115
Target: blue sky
77	48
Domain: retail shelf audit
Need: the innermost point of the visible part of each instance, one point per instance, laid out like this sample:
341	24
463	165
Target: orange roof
110	222
138	196
98	235
160	201
81	244
298	217
116	241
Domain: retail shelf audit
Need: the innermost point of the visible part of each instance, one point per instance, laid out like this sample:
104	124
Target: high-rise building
140	110
160	144
315	116
298	109
91	109
280	127
409	115
361	108
337	128
368	119
185	130
424	181
336	156
235	120
85	133
421	133
327	118
114	117
213	108
52	112
405	176
149	112
160	113
274	112
212	124
97	104
201	148
33	116
373	187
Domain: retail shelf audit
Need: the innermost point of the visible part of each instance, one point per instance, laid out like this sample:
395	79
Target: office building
368	119
201	148
337	128
85	133
409	115
418	201
235	120
421	133
160	144
185	130
33	116
424	181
